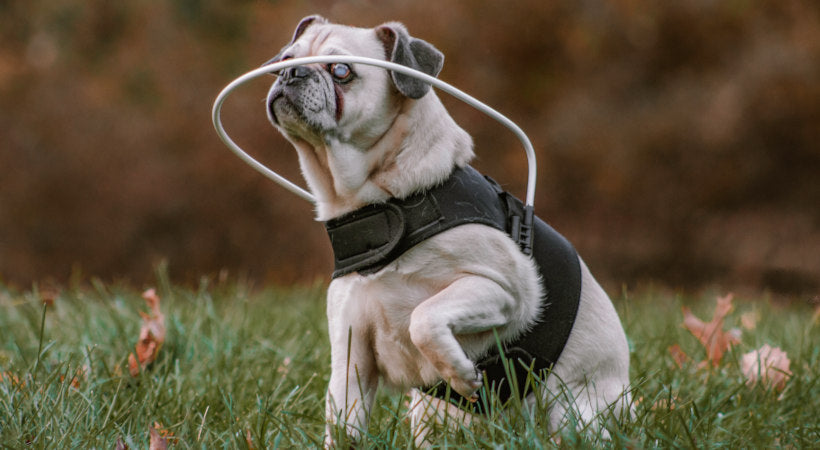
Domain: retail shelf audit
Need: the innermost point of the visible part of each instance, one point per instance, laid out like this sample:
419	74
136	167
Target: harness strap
368	239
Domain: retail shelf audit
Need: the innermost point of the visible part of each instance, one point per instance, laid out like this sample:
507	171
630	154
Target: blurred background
678	142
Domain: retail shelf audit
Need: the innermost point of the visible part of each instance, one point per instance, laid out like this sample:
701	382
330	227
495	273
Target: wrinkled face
319	103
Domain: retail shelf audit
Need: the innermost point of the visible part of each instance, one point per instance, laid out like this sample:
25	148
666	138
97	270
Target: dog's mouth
289	112
304	106
284	108
273	97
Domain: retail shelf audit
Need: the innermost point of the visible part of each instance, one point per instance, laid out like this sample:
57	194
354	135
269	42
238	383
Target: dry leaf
152	335
678	355
120	445
160	437
768	365
155	441
711	334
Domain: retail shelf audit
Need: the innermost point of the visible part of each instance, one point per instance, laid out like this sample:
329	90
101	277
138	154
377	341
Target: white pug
364	136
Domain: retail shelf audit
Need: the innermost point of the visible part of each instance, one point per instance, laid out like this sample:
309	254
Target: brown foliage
676	140
159	438
152	335
711	334
767	366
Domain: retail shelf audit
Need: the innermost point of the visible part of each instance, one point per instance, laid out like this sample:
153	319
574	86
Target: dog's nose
295	72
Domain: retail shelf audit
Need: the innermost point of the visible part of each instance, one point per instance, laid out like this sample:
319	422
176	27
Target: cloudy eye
341	72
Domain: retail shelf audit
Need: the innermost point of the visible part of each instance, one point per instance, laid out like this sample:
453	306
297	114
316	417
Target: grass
245	367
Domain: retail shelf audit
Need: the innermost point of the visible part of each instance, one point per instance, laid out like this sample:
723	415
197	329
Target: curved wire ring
455	92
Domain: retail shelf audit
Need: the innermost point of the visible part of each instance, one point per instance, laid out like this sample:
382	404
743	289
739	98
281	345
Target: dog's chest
398	360
381	308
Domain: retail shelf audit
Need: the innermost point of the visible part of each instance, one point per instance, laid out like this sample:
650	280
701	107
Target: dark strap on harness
368	239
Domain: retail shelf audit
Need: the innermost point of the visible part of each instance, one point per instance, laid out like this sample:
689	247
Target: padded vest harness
368	239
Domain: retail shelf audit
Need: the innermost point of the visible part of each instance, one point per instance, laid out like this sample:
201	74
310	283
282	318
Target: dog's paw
467	387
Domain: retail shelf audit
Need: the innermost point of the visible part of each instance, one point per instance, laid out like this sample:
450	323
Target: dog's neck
418	151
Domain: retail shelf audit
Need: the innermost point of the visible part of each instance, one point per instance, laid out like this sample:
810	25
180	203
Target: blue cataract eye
341	71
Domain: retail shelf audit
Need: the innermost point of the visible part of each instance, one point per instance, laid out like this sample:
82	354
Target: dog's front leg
469	306
353	379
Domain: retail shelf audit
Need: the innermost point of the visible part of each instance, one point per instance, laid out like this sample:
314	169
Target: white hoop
455	92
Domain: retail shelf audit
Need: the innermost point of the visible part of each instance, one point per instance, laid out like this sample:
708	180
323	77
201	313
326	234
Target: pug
366	138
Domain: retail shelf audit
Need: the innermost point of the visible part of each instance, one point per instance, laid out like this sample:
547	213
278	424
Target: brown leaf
768	365
160	437
679	355
133	365
120	445
152	335
711	334
155	441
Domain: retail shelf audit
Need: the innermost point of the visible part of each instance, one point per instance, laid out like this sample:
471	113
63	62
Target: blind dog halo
347	59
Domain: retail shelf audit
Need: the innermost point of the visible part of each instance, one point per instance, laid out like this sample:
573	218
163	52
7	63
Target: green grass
239	361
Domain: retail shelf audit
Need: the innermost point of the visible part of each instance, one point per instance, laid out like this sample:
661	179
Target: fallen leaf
120	445
155	441
160	437
679	355
711	334
767	365
152	335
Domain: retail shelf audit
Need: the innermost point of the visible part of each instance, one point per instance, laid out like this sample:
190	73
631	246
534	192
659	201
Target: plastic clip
521	230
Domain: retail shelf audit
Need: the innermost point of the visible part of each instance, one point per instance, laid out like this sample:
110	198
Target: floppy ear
401	48
303	25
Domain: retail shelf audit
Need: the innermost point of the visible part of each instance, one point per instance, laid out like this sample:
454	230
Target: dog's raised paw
467	387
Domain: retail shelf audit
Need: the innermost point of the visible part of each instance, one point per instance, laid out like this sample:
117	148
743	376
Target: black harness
368	239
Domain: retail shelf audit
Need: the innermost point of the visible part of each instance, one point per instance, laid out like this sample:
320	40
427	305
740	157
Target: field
244	367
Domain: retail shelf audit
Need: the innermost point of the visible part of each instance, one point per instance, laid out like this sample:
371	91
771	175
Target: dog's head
357	127
323	99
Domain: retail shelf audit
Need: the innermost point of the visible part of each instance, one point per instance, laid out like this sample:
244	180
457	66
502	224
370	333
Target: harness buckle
521	230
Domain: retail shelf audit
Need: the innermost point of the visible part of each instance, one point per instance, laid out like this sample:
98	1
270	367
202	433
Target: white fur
431	313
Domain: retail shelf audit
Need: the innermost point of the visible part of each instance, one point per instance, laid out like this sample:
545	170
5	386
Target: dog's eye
341	72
